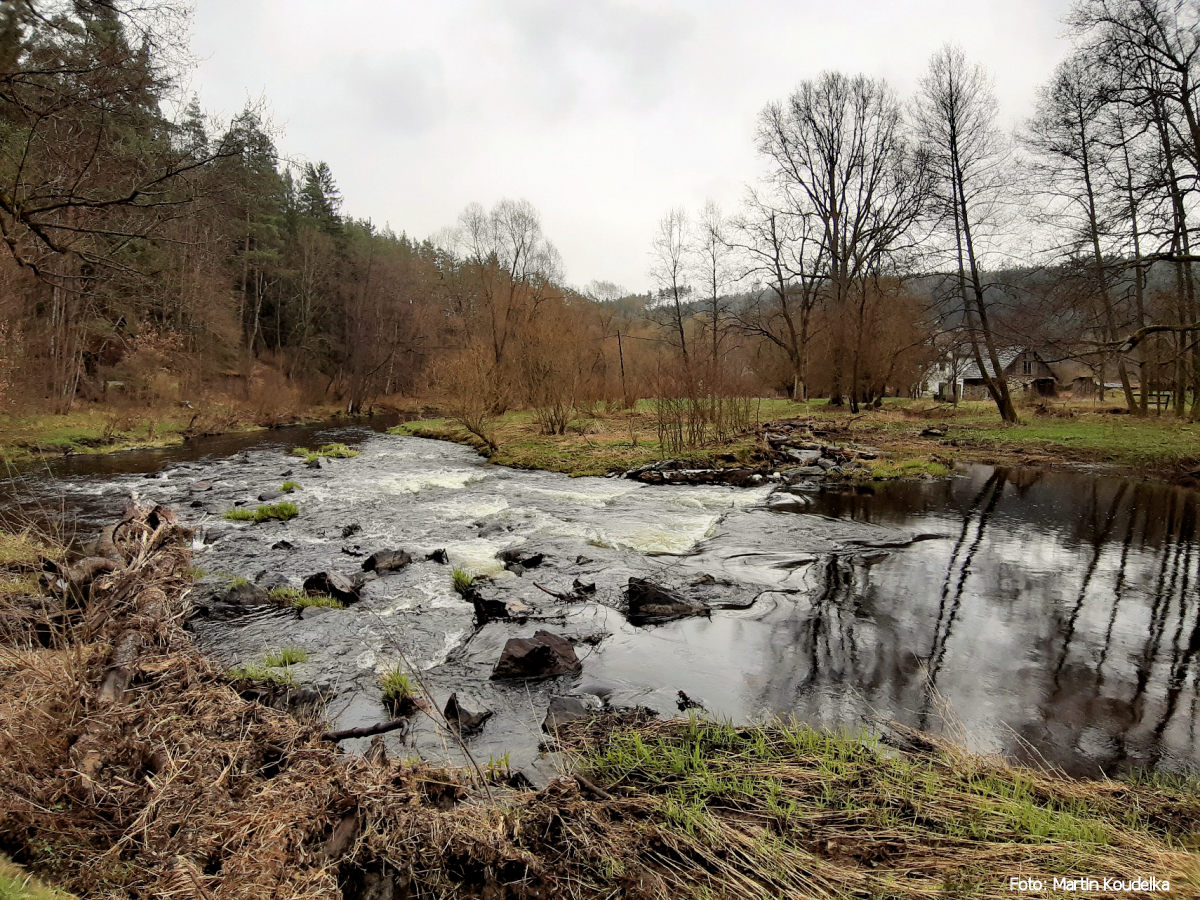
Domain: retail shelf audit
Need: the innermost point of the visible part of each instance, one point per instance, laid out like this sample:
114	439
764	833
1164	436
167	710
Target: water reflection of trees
1111	615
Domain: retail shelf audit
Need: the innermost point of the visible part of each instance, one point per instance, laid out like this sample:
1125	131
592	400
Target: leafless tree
1074	164
669	265
778	250
956	115
840	156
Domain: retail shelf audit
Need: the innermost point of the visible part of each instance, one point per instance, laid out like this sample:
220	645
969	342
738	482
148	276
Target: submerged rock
545	655
518	561
267	496
490	607
438	556
383	561
568	709
650	603
334	585
230	602
668	472
462	719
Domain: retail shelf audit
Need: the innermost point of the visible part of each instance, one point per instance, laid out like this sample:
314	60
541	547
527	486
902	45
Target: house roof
1006	355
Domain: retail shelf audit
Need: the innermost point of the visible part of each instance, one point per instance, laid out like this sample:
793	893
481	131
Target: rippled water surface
1052	616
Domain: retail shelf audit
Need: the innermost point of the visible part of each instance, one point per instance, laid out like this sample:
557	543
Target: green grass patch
893	468
21	550
285	656
260	673
288	596
461	579
399	689
788	796
17	884
325	451
616	440
280	511
288	486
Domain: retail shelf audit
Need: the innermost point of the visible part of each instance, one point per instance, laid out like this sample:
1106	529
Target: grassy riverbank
131	766
98	429
1056	434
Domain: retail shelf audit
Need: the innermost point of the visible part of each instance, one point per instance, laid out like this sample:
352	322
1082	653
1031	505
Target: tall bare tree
839	154
956	115
669	269
1075	164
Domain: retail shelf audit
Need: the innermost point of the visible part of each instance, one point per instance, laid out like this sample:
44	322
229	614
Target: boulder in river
230	602
268	496
462	719
489	607
199	487
438	556
545	655
518	561
333	585
384	561
650	603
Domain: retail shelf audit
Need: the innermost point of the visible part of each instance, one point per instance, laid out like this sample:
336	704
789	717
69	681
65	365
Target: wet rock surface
545	655
335	585
384	561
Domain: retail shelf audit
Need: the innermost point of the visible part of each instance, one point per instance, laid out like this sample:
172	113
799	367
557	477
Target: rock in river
334	585
544	655
650	603
462	719
385	561
568	709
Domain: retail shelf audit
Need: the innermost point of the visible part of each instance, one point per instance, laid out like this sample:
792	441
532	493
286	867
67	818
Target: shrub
288	486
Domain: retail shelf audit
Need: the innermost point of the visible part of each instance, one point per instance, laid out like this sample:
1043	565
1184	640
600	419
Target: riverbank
100	429
916	439
131	765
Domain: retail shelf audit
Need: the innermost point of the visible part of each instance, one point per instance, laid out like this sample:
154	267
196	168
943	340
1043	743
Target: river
1051	616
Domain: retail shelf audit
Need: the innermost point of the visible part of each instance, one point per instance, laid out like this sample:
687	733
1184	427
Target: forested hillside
154	255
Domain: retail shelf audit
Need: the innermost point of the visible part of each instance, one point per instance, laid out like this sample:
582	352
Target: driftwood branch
364	730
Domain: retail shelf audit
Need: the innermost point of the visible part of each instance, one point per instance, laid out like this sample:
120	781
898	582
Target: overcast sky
604	114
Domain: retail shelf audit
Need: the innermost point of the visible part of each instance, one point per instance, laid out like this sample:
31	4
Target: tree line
154	255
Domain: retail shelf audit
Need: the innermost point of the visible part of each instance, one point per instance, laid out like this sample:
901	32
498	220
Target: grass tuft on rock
325	451
461	579
285	656
289	596
399	690
288	486
259	674
279	511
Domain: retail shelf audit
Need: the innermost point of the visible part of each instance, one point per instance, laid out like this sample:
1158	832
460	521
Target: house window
1027	366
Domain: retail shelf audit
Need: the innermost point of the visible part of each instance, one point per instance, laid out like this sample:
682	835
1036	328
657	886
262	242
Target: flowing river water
1052	616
